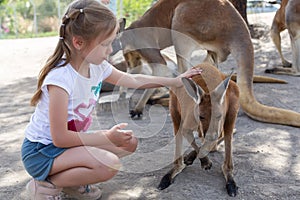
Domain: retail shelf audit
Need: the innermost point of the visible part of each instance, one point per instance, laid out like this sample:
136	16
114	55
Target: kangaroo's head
123	42
210	108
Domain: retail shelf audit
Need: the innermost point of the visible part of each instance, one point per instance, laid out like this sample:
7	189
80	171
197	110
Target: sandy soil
266	156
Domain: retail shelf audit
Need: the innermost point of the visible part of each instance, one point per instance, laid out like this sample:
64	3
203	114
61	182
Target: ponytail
85	18
52	62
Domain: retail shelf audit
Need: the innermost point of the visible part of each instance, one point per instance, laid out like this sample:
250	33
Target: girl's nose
109	50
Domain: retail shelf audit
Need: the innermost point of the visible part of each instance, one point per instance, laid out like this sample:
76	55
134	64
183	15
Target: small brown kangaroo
208	103
189	25
287	17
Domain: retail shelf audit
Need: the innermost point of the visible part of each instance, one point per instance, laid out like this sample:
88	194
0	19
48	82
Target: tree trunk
241	6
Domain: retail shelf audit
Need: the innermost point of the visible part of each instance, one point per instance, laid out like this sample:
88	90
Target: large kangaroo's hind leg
295	42
155	60
292	20
278	25
184	46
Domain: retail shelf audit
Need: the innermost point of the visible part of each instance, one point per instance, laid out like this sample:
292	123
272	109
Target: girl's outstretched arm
142	81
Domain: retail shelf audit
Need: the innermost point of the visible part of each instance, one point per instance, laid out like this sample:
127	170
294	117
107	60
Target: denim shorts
38	158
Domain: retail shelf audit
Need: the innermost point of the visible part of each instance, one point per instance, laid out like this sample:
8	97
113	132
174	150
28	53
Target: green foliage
23	10
18	15
3	2
132	9
47	9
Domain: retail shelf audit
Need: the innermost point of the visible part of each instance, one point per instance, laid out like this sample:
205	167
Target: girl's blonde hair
84	18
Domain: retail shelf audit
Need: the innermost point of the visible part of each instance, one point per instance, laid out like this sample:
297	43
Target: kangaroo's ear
122	24
193	89
117	43
221	89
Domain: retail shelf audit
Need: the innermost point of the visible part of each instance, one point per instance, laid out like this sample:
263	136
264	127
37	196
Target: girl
56	152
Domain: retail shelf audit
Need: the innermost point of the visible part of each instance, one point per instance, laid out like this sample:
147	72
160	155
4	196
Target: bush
132	9
48	24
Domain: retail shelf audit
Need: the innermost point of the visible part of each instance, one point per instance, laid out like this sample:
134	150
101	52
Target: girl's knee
109	165
107	173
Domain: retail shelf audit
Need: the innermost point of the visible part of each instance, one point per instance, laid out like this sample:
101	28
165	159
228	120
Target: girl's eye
201	117
106	44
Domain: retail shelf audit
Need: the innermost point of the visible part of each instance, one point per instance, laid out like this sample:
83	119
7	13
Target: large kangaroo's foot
286	64
137	113
283	71
138	109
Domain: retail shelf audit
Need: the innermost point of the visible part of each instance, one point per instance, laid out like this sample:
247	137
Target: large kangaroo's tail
268	114
248	102
262	79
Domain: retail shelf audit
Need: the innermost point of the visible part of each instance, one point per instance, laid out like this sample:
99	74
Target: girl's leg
87	165
83	165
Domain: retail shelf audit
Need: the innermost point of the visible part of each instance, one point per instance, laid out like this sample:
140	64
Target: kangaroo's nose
212	136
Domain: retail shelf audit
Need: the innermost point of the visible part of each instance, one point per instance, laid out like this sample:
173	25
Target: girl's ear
77	42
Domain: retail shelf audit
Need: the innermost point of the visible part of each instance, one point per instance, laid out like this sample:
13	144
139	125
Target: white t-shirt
83	95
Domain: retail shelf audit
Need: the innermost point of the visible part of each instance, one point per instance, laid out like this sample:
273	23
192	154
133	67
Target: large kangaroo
214	25
209	104
287	17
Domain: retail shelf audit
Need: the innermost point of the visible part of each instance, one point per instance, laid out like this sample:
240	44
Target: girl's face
99	50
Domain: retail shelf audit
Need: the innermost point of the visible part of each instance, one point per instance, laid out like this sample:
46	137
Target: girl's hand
187	74
118	136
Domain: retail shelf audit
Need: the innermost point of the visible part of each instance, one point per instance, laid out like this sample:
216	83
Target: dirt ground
266	156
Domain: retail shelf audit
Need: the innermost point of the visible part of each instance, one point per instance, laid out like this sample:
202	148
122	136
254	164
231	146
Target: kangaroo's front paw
205	163
137	113
189	159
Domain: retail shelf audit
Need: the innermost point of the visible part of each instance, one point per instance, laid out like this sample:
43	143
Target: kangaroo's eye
201	117
219	117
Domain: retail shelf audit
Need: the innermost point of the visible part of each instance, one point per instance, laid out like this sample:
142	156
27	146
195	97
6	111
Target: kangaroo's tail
262	79
264	113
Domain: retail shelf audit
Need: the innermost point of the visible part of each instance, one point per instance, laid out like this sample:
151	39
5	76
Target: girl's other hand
118	136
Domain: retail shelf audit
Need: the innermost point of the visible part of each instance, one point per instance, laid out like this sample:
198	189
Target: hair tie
67	16
62	25
61	38
81	10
